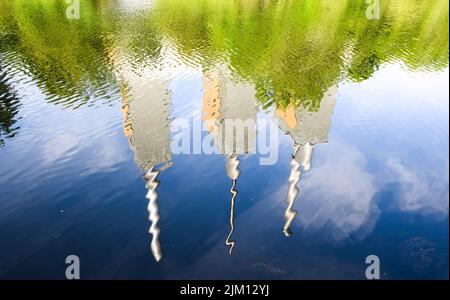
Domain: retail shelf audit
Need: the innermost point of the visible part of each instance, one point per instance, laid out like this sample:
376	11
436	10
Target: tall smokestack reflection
153	212
306	130
226	106
233	172
146	108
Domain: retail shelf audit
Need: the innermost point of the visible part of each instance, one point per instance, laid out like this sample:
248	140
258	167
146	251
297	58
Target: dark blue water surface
73	181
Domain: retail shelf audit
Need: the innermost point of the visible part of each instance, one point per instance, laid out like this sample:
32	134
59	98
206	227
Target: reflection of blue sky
54	171
341	197
422	191
61	133
386	161
384	121
337	194
403	131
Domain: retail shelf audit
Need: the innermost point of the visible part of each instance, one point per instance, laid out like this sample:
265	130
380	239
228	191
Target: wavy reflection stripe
153	210
233	172
293	191
229	242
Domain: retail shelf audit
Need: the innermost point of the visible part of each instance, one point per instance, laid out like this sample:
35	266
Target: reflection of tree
66	58
291	51
363	67
294	51
9	105
415	33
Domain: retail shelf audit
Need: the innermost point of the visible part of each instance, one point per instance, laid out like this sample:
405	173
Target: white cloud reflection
336	195
424	192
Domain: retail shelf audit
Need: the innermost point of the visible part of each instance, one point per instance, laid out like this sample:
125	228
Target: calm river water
113	144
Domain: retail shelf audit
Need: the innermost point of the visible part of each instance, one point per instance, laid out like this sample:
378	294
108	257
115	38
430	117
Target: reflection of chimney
230	117
233	173
308	126
145	105
306	129
211	102
153	212
147	120
230	114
